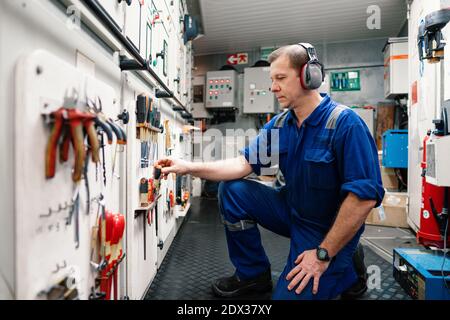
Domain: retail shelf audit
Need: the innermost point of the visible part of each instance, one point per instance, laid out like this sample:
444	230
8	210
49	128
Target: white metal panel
187	90
161	63
198	103
396	69
133	24
115	10
42	243
421	113
147	33
235	25
140	271
438	158
258	97
44	24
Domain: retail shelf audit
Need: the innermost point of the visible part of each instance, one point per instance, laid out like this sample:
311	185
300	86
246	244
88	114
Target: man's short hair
297	55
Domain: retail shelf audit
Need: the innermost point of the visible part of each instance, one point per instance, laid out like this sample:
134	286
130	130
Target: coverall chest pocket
322	170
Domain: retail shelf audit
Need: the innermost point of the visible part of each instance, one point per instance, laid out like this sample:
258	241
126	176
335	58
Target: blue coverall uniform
330	155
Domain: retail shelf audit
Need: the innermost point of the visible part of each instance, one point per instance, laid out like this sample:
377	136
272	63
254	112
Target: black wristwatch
322	254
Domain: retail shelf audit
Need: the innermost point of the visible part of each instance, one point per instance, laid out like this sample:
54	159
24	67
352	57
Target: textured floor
199	255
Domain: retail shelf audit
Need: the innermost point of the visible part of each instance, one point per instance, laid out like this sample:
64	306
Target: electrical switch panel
221	89
258	98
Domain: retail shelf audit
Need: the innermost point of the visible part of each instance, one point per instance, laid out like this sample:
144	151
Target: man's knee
232	188
233	201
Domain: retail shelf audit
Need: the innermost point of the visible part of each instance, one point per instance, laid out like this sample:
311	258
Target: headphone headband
310	50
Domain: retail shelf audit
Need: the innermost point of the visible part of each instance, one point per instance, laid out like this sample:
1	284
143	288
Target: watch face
322	254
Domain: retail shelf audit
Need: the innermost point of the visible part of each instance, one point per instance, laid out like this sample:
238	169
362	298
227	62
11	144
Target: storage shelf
179	212
141	210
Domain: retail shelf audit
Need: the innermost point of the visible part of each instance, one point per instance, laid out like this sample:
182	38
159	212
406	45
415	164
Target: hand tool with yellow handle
50	153
105	231
168	138
75	118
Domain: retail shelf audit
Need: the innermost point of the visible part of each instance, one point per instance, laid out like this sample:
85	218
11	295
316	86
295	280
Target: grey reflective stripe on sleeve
333	117
240	225
279	123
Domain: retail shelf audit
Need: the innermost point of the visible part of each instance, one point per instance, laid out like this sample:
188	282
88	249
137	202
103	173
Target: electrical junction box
396	67
198	102
221	89
438	159
258	98
395	149
421	273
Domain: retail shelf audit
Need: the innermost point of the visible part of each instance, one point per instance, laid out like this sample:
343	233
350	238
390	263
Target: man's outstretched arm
222	170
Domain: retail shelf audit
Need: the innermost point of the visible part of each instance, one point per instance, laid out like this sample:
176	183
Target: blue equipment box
419	273
395	149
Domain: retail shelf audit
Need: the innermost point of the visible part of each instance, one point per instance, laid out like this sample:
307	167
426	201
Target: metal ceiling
239	25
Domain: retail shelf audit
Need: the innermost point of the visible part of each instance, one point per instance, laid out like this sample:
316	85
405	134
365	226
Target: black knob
127	1
124	116
161	54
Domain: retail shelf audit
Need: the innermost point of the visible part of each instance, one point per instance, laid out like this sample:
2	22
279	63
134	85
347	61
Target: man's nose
275	87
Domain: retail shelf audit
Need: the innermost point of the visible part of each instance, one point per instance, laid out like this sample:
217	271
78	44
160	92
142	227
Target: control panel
221	89
258	98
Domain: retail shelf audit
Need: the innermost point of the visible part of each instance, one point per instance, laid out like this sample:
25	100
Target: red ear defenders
311	74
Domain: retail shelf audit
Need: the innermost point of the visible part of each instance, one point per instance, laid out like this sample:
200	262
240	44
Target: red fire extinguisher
432	204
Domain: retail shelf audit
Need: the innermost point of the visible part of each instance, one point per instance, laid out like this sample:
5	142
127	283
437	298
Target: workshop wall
53	55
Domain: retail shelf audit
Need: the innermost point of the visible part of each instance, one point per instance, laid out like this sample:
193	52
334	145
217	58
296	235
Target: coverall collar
314	118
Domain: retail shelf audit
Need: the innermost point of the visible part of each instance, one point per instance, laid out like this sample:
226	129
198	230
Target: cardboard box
389	179
393	212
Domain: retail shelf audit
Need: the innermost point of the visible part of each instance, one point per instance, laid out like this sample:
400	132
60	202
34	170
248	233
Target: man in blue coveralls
330	164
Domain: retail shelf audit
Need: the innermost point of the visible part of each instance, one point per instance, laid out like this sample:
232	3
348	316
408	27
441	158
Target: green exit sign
345	81
266	51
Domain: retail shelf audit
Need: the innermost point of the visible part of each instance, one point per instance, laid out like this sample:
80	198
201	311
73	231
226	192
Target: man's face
285	82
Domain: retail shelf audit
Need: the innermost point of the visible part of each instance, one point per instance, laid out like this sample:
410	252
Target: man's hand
171	165
308	266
